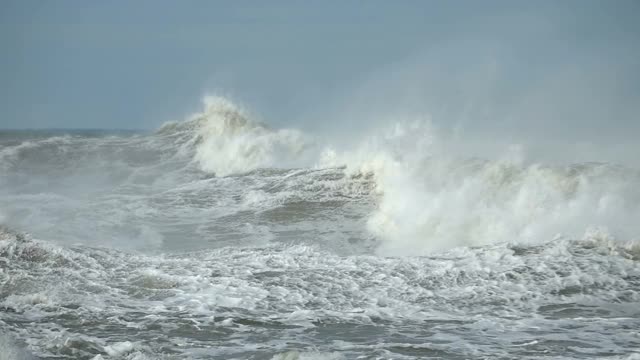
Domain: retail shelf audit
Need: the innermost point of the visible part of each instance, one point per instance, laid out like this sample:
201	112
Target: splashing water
218	237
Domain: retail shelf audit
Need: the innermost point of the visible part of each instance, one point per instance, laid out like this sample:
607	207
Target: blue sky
571	65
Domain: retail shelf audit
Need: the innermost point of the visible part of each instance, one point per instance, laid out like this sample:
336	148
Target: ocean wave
410	187
228	142
85	302
431	199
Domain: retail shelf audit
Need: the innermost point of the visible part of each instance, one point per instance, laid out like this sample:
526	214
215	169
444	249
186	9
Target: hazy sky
570	65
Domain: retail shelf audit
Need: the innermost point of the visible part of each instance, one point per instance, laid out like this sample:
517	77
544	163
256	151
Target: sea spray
400	243
228	142
431	198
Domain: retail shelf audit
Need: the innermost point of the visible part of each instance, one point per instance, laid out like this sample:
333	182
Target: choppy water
217	237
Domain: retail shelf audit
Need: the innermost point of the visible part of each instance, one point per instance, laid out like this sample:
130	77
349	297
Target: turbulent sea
218	237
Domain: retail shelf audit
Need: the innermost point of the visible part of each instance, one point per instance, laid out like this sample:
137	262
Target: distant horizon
530	70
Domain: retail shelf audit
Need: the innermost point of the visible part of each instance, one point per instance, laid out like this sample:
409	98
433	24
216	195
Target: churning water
218	237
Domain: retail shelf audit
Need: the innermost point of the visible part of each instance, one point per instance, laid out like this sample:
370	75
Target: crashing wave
430	193
431	200
228	142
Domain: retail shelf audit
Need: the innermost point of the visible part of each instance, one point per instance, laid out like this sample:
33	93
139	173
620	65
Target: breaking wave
227	141
217	231
431	199
425	193
429	196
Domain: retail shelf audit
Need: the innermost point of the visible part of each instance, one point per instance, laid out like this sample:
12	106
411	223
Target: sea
220	237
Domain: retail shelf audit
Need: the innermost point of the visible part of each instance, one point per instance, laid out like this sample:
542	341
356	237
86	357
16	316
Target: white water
228	142
431	199
220	237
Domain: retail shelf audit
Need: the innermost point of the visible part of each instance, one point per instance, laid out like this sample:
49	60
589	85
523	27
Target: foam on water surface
218	237
493	301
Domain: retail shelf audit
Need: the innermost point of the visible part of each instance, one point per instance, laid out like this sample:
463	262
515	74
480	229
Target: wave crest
432	200
227	141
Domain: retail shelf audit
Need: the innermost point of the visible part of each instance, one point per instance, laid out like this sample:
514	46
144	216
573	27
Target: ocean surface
217	237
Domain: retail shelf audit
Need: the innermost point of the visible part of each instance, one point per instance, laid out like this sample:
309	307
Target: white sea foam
119	348
431	193
432	199
228	142
282	292
201	240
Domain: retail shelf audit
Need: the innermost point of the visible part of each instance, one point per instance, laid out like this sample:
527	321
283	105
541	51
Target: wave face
431	200
219	237
228	142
